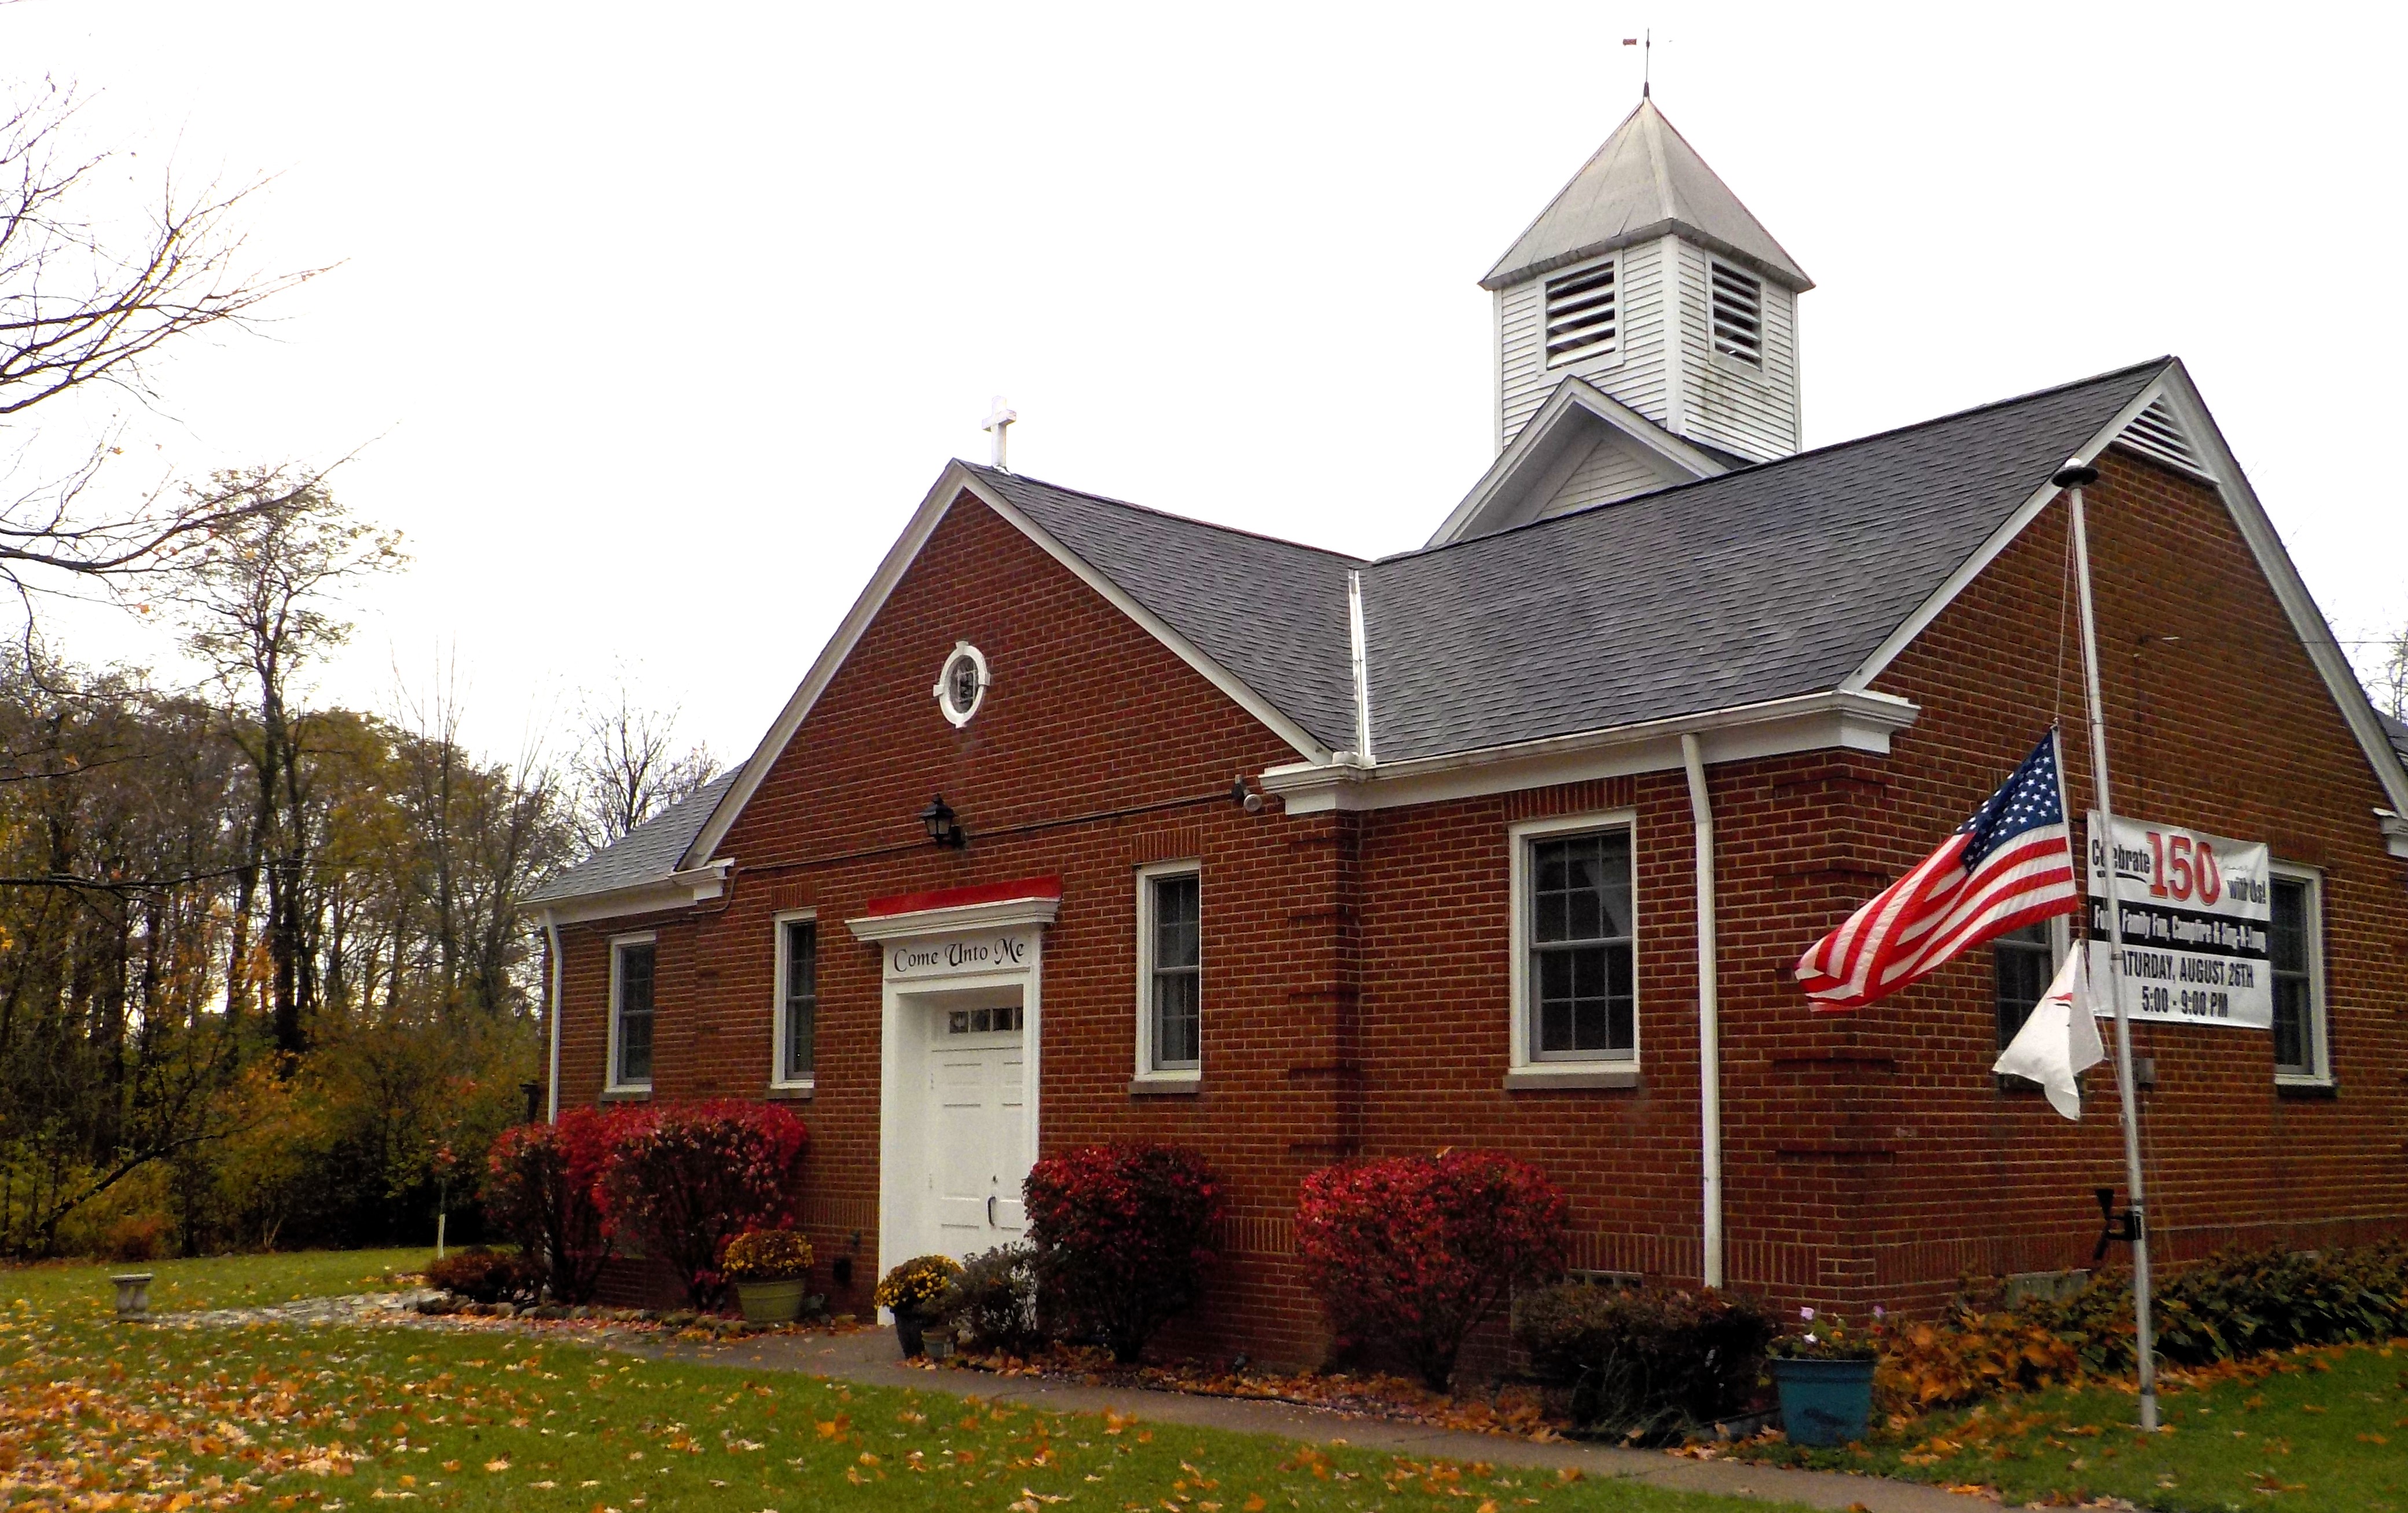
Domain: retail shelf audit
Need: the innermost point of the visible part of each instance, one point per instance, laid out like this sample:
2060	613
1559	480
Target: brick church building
1093	822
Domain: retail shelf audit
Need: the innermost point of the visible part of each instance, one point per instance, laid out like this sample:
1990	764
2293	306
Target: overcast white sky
654	323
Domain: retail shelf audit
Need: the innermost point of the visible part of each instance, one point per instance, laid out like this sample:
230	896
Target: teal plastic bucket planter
1823	1401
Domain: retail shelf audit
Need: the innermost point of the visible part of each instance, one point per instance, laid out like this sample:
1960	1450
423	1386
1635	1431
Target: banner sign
2197	913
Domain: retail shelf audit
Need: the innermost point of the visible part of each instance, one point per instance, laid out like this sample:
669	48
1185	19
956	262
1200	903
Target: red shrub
539	1191
686	1179
1419	1249
1123	1233
483	1276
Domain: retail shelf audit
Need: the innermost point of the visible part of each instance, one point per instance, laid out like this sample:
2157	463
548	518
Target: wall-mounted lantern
943	828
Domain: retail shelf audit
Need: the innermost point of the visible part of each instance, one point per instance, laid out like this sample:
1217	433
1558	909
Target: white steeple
1646	277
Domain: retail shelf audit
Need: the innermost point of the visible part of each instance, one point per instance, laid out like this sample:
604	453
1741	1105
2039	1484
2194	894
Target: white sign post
2196	914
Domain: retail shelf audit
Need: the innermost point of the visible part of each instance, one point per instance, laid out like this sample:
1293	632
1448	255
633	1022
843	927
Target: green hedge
2242	1303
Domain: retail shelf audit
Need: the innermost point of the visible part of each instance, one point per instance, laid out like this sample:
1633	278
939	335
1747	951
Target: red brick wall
1872	1158
1357	966
1087	717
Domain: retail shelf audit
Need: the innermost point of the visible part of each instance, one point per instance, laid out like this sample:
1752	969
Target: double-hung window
1576	942
798	1001
2296	960
1170	972
2026	961
632	969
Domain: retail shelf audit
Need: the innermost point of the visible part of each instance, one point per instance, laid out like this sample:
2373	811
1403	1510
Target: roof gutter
1855	721
669	890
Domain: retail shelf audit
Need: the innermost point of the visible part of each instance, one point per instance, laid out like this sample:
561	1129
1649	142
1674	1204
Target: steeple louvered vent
1581	315
2156	434
1738	315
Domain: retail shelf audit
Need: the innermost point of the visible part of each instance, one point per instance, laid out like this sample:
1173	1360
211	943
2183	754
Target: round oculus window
961	687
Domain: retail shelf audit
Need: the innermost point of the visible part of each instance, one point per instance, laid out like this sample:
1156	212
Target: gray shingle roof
646	854
1776	580
1271	611
2397	731
1645	180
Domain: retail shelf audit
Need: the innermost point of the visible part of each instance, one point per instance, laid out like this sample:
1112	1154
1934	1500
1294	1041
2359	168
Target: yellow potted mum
910	1290
771	1270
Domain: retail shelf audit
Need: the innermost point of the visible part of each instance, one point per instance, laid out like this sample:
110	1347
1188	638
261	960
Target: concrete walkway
872	1358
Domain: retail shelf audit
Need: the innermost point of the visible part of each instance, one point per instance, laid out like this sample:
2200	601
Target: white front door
978	1135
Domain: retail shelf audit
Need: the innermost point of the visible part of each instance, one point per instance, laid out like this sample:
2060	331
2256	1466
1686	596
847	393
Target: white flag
2059	1039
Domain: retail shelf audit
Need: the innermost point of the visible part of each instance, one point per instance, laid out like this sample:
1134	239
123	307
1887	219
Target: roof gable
1272	613
1772	581
1644	182
1185	567
1533	466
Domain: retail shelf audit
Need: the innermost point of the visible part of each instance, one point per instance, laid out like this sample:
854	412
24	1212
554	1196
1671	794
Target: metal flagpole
2072	478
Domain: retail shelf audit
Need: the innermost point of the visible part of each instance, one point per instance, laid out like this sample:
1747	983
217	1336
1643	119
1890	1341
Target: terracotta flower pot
771	1303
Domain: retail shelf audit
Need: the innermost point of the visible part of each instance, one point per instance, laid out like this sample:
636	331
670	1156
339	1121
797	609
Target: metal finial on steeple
1645	42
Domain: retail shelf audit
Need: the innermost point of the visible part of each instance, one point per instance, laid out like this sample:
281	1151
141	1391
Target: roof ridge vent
2157	434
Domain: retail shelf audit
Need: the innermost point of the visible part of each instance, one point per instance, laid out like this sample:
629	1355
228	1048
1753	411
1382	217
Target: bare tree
256	596
2386	683
87	303
626	768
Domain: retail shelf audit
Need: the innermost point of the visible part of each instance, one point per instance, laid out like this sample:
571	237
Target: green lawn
2324	1429
335	1418
221	1282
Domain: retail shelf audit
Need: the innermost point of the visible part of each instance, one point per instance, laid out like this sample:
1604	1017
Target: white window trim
1526	1069
957	718
778	1078
1146	876
610	1082
2320	1010
1596	361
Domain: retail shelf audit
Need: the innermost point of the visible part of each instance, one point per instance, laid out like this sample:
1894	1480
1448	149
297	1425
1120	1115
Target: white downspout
1710	1053
552	1078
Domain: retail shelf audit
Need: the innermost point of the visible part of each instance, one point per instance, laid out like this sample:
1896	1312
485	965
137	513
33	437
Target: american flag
2011	865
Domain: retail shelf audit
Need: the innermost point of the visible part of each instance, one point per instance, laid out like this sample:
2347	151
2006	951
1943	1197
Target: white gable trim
2174	386
1238	691
1987	553
848	631
2307	621
955	481
1521	469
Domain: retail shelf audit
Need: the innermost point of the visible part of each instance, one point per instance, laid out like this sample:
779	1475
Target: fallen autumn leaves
326	1417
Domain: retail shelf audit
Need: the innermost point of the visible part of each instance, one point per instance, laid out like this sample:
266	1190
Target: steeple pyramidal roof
1646	181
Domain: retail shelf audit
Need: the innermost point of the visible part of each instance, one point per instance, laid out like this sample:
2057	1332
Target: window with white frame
632	970
1575	924
798	1000
2026	962
2295	951
1170	969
